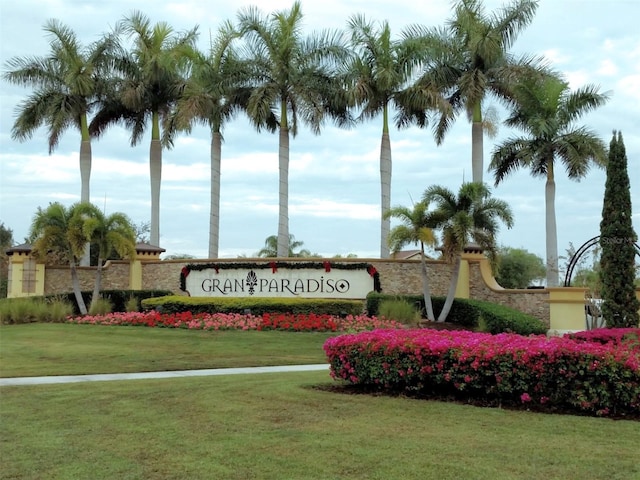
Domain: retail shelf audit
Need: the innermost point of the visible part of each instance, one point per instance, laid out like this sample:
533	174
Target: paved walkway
5	382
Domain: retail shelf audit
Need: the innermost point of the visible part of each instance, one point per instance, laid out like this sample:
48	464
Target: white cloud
334	177
607	68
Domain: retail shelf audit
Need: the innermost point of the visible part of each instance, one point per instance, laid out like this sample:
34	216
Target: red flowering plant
588	377
233	321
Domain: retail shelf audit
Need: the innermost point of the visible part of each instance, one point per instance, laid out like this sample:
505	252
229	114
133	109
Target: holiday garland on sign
327	266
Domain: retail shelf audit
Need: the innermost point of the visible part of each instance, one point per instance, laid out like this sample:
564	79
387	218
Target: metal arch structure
580	252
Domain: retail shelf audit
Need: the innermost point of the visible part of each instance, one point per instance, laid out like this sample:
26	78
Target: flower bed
230	321
550	373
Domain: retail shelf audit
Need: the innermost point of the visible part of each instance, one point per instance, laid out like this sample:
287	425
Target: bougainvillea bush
630	337
231	321
505	369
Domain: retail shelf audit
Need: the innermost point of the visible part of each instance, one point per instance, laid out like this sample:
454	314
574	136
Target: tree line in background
147	76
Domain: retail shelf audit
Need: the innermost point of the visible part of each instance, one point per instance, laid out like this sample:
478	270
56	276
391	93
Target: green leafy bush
491	317
499	318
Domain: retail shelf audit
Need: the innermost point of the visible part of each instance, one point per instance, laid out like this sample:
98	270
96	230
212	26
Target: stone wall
396	277
115	276
403	276
532	301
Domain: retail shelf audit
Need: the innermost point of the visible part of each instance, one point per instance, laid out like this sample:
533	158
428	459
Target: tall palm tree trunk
426	291
283	193
477	144
155	174
455	273
551	229
85	178
75	282
385	185
214	215
97	285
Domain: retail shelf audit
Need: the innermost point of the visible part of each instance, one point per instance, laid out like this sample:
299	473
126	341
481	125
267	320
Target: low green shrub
475	314
400	310
499	319
460	313
256	305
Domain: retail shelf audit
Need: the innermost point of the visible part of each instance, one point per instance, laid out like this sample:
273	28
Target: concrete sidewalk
104	377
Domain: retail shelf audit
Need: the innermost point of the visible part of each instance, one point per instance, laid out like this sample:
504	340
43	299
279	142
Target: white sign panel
280	282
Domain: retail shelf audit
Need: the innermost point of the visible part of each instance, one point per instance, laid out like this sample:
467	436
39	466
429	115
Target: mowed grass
268	426
282	426
61	349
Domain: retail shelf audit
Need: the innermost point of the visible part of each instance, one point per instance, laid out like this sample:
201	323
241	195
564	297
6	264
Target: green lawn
279	426
62	349
268	426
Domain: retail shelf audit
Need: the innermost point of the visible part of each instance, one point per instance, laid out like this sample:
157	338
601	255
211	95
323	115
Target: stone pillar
144	253
472	253
26	274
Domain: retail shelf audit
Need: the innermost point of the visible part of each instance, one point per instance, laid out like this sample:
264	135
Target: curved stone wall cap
22	248
146	247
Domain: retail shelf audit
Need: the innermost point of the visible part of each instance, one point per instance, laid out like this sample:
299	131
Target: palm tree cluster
147	76
66	231
471	215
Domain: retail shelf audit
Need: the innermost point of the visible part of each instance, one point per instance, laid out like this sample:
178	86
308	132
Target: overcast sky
334	183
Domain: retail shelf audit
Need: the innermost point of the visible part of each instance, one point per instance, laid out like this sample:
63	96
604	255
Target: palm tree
297	81
546	111
67	84
61	229
271	248
470	61
212	95
472	215
379	76
152	73
414	229
109	233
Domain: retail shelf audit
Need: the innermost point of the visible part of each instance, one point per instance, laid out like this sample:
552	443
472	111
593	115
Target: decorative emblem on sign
252	281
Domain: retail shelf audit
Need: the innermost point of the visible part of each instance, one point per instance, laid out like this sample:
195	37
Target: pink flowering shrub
234	321
628	336
589	377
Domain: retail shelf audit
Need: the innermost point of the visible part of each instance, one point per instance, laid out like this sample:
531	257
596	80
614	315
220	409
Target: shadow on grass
462	399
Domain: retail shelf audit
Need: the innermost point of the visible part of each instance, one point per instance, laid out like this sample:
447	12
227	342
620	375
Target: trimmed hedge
506	369
257	305
500	318
492	317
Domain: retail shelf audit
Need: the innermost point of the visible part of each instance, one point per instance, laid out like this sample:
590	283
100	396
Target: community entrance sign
280	279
